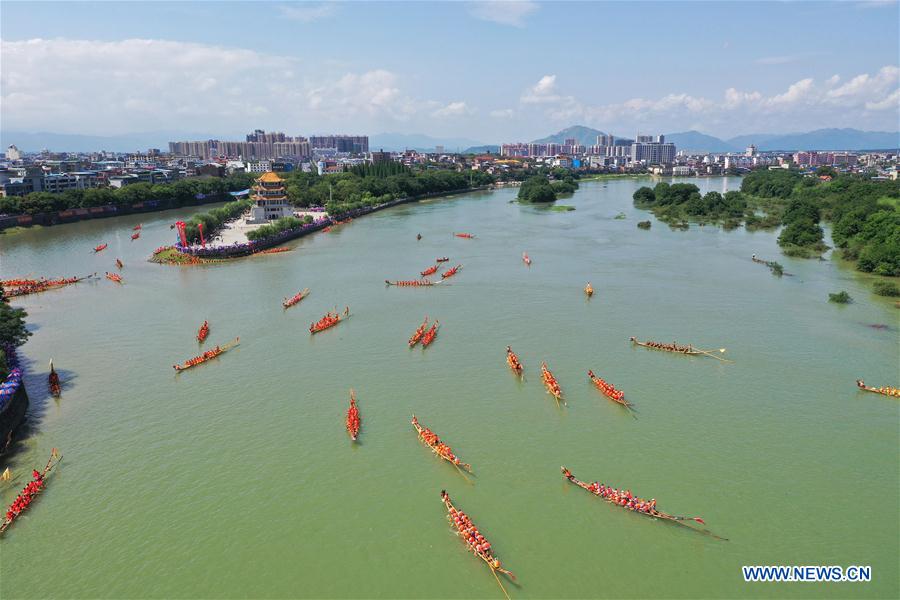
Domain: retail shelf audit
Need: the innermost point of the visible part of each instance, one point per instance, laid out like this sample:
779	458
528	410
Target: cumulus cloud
504	12
453	109
140	85
867	98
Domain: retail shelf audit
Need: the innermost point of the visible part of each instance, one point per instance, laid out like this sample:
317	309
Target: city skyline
493	71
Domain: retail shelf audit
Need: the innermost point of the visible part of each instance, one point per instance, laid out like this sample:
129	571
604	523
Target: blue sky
488	71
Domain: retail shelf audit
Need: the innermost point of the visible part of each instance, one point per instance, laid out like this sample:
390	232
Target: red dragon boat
329	320
418	333
430	439
100	248
289	302
203	332
467	236
451	272
430	270
625	499
609	390
354	421
114	277
53	382
430	335
31	490
475	542
206	356
135	235
513	361
412	283
551	384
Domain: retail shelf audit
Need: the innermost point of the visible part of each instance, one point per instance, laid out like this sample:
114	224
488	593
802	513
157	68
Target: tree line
169	195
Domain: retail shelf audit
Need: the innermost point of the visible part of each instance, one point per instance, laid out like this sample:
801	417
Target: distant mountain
822	139
482	149
417	141
70	142
694	141
585	136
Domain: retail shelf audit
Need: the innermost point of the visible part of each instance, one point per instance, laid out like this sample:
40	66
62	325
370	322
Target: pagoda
270	199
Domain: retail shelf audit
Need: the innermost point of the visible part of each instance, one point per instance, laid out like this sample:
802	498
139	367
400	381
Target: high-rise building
353	144
648	151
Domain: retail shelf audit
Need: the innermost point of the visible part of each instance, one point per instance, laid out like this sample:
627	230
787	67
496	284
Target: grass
840	298
561	208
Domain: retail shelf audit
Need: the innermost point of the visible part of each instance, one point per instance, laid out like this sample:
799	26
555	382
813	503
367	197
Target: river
237	479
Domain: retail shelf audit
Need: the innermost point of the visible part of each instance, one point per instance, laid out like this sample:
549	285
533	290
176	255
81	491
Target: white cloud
142	85
306	12
504	12
503	113
453	109
864	100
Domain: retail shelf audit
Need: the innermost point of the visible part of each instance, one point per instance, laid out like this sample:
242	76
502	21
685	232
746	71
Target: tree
12	325
644	195
537	189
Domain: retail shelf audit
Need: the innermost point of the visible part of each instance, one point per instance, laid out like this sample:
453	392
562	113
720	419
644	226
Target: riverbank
168	255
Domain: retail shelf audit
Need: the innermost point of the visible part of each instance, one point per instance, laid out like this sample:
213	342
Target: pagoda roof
270	177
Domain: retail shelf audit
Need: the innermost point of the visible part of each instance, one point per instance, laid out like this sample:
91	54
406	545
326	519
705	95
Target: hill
585	135
822	139
397	142
694	141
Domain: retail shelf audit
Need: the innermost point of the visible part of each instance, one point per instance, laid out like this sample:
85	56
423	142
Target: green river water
237	479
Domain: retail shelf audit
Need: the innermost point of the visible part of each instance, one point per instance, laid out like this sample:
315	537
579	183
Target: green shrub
840	298
886	288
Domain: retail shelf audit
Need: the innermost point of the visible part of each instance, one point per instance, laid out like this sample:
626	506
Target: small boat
674	347
884	390
135	235
278	250
206	356
353	419
430	271
6	475
467	236
31	490
289	302
624	499
119	263
430	439
589	290
326	229
412	283
100	248
551	384
53	381
430	335
418	333
114	277
513	361
329	320
137	227
609	390
451	272
203	332
442	259
475	542
525	258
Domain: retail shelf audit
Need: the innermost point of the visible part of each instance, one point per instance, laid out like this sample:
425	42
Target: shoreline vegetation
863	213
137	196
